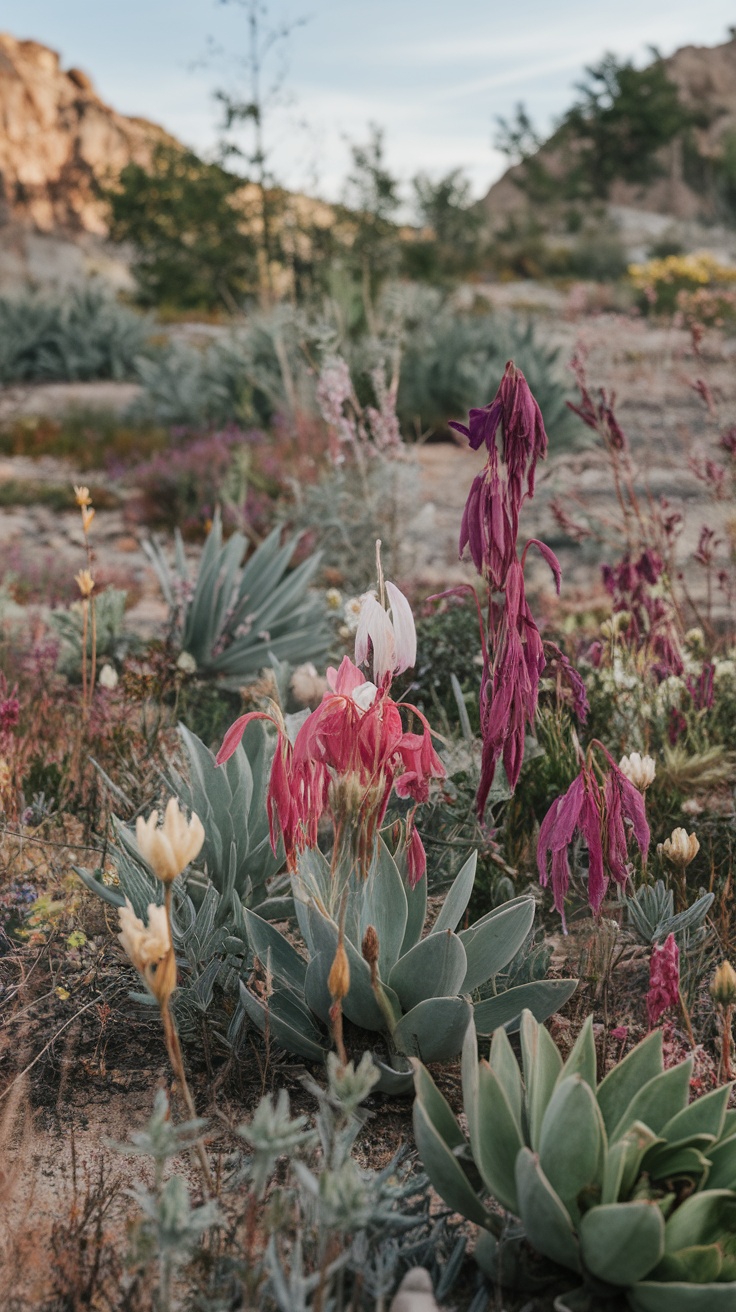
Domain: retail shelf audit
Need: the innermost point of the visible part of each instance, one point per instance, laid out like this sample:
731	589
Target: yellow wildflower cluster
700	269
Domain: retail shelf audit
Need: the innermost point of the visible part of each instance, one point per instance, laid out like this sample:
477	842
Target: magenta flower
606	818
664	979
490	522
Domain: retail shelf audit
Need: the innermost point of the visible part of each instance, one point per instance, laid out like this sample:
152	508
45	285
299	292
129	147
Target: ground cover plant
275	879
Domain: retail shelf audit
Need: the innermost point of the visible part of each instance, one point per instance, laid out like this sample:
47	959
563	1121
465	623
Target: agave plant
421	992
620	1182
233	618
652	913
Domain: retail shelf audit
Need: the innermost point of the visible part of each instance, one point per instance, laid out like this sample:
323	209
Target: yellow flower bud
723	985
338	981
87	517
84	582
83	497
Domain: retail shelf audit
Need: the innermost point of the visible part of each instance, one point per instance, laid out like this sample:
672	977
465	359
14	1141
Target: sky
434	74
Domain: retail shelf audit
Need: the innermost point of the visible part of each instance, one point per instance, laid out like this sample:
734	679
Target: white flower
186	663
351	612
333	597
108	677
639	770
169	850
392	638
681	847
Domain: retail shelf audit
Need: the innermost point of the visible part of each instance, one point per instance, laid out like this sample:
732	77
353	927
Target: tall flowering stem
512	431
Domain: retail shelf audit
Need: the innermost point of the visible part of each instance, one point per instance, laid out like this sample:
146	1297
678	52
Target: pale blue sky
434	73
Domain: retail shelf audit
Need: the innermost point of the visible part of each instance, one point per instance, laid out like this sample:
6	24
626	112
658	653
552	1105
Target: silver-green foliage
652	913
232	871
425	990
80	334
234	617
112	640
619	1181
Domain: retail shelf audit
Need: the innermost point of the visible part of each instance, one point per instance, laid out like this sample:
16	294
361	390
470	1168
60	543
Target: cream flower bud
681	847
108	677
169	850
639	770
723	985
149	948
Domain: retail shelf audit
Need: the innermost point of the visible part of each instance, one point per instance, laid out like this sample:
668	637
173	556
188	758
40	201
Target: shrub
81	335
661	282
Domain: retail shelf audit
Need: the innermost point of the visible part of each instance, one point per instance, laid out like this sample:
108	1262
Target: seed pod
338	981
370	946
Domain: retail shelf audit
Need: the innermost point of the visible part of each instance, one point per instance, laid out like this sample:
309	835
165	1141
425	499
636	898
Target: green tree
623	117
371	201
186	223
517	137
447	208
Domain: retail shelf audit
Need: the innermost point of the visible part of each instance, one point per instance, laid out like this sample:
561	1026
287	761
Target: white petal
405	634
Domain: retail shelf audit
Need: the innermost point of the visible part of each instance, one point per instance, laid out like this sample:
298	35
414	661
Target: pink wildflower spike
555	835
664	979
550	558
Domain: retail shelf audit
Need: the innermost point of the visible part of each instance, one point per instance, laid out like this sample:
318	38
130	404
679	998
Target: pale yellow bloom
83	497
169	850
84	582
639	770
723	985
333	597
681	847
149	948
87	517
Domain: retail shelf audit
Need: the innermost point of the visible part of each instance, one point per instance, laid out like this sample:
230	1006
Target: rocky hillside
681	187
58	142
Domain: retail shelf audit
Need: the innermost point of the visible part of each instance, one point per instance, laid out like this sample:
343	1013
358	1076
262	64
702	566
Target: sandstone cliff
706	80
59	142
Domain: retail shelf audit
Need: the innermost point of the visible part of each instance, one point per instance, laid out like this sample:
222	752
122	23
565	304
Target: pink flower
664	979
605	818
347	757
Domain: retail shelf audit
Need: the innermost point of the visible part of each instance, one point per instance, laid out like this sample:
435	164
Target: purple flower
664	979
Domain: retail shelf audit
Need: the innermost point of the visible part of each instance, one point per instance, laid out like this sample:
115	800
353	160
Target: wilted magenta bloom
569	675
651	617
510	685
605	818
701	689
664	979
490	521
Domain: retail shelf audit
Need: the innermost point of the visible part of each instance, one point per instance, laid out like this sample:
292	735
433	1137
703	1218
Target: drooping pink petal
232	739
